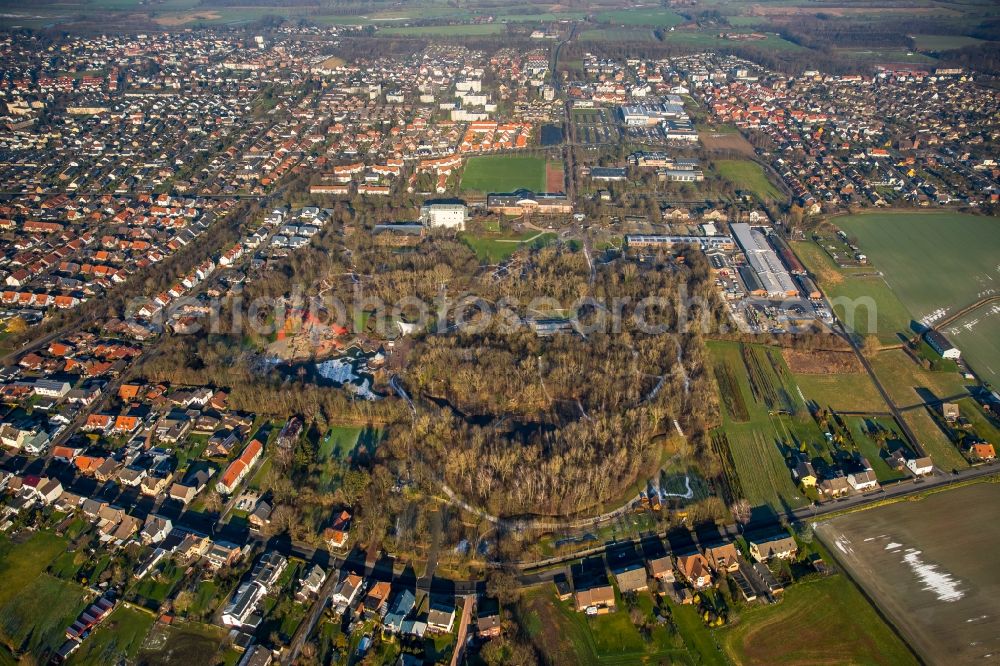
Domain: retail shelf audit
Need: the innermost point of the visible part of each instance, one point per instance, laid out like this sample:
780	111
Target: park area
501	173
495	248
819	621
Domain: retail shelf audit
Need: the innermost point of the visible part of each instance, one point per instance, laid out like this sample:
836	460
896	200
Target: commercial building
447	215
773	281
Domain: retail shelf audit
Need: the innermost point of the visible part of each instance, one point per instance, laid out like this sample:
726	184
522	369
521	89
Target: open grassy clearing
748	176
864	302
885	56
845	392
493	249
710	38
635	34
932	261
910	384
820	621
501	173
36	621
944	42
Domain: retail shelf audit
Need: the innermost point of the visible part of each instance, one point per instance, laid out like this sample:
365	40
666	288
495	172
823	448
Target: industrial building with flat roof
772	278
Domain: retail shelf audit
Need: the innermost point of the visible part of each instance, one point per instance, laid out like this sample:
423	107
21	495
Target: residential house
920	466
695	569
781	546
311	583
662	569
441	615
346	591
402	604
596	600
724	557
862	481
631	578
376	600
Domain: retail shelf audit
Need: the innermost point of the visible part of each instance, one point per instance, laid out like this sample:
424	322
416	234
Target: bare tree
741	512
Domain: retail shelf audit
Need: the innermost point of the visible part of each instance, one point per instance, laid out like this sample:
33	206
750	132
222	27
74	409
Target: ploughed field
929	566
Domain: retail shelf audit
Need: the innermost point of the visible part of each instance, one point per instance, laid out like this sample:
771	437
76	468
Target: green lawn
901	377
500	173
841	392
118	638
977	334
21	563
748	176
634	34
819	621
492	249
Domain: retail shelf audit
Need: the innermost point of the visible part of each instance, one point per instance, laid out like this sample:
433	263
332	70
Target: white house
920	466
863	481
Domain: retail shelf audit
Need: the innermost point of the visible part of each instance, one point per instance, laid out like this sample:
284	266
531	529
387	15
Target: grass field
936	442
500	173
460	30
710	38
977	334
910	384
865	303
36	620
493	249
852	392
748	176
191	642
117	638
821	621
944	42
650	17
633	34
568	637
933	261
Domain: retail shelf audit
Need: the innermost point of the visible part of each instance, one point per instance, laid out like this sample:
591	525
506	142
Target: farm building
940	344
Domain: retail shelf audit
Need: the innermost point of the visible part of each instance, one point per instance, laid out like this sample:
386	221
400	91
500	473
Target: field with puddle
930	566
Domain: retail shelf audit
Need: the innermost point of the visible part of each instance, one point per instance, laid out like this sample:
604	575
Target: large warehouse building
773	280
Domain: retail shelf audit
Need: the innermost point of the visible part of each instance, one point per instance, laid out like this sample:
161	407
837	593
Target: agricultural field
862	300
710	38
823	620
634	34
459	30
977	334
935	262
650	17
944	42
921	562
748	176
495	248
500	173
764	419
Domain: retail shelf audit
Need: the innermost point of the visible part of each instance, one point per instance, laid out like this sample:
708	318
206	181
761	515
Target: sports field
977	334
500	173
821	621
749	176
